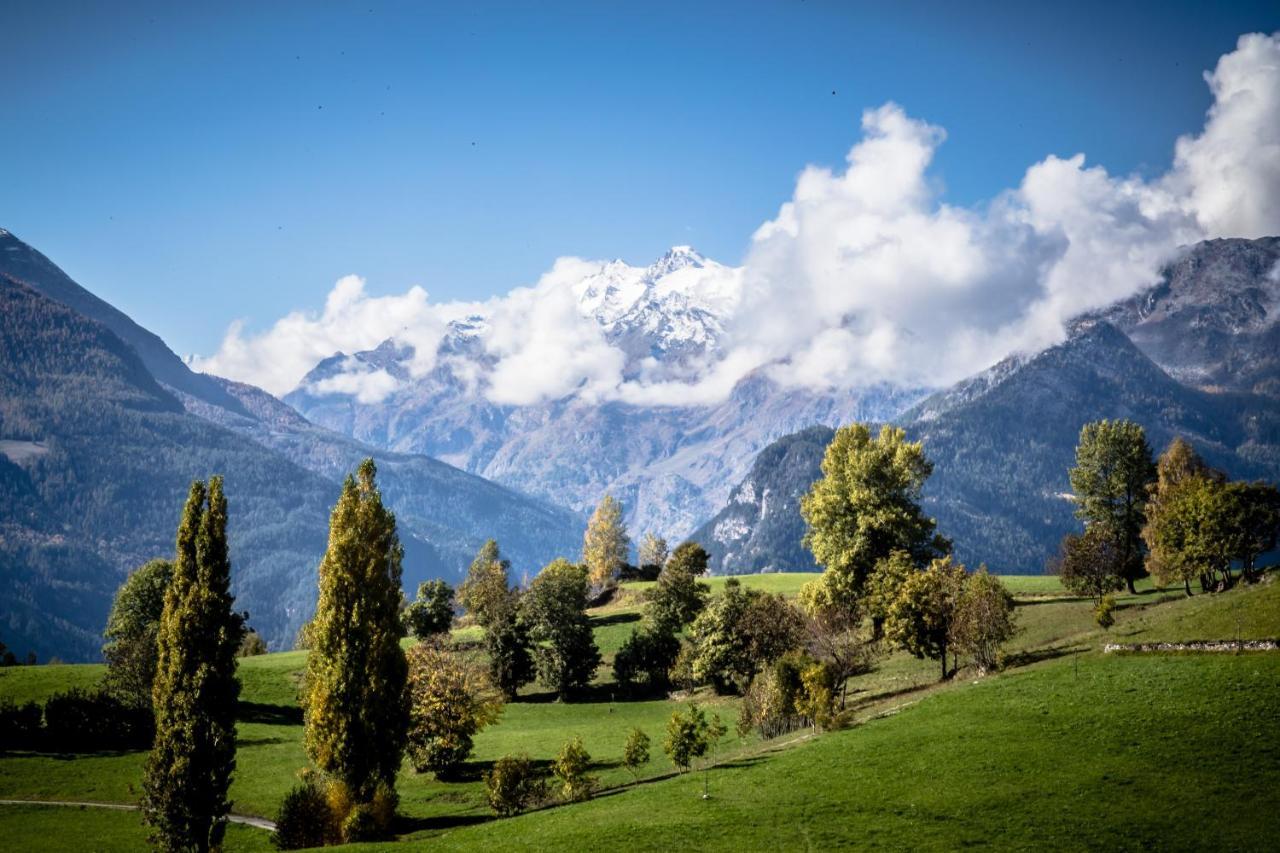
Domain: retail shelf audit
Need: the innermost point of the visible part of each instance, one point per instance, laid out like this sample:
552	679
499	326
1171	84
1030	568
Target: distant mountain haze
99	443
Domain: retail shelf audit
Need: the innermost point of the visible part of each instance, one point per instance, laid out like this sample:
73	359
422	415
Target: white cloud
865	275
359	381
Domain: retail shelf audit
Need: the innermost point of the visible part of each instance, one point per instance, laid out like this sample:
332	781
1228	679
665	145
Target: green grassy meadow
1066	748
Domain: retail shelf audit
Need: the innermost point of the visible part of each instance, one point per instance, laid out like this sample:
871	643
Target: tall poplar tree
194	694
356	709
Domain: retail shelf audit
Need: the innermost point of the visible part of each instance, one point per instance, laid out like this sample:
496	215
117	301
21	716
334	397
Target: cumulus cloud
865	275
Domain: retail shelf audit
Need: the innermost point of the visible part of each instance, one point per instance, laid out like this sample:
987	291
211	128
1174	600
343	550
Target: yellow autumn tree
605	546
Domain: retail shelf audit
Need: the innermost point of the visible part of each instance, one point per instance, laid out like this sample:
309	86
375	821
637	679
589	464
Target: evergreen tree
555	608
866	506
1111	477
605	545
356	708
194	695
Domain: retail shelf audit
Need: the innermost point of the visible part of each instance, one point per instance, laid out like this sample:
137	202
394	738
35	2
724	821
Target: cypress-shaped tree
195	690
357	709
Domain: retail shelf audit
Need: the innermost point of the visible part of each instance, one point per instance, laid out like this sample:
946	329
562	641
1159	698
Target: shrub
252	645
451	698
19	725
83	721
571	769
636	752
513	785
361	824
1104	612
305	819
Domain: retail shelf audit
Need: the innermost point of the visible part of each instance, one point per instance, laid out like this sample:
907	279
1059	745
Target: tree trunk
1132	589
1186	583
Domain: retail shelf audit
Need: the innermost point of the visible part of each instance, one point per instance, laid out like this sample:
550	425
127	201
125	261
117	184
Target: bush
571	769
635	754
1104	611
82	721
305	819
361	824
252	645
513	785
19	725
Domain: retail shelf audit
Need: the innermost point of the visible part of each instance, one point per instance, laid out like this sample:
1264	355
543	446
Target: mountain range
671	465
1195	355
102	429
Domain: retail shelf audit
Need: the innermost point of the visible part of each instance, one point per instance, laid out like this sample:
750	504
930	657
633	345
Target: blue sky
195	165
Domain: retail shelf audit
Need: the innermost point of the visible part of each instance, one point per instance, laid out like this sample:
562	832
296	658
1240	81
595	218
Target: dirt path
258	822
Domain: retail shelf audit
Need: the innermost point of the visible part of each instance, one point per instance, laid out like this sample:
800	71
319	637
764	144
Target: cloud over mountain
865	275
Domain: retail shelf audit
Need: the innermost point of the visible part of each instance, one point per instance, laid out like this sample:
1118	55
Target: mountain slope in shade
760	528
96	456
1002	442
23	263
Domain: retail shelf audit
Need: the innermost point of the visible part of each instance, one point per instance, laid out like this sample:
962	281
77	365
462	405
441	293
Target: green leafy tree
451	699
866	506
605	545
886	581
356	708
646	657
431	613
635	753
678	596
1110	479
570	768
739	632
194	695
688	737
486	586
922	618
507	643
1088	564
1252	523
130	650
984	619
1178	513
555	609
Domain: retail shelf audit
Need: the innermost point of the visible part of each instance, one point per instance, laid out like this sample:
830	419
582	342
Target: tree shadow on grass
1030	656
614	619
591	694
408	825
274	715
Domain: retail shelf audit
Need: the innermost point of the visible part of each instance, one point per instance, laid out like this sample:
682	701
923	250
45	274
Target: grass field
1021	757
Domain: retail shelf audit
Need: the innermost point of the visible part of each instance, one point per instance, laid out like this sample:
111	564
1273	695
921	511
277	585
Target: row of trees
1175	518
